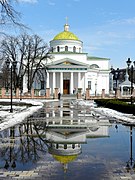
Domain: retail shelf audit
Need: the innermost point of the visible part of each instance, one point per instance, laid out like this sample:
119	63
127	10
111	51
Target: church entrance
66	86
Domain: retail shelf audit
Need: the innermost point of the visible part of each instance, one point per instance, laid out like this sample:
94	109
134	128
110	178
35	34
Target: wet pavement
67	140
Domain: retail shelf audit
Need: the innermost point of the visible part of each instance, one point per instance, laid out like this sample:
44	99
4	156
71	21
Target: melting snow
8	119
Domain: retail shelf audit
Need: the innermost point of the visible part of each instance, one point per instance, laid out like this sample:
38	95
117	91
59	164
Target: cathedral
71	69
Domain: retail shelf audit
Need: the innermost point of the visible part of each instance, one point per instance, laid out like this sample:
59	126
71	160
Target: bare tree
7	12
8	15
31	53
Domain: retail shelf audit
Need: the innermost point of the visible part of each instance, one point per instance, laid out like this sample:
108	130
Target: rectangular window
42	84
89	84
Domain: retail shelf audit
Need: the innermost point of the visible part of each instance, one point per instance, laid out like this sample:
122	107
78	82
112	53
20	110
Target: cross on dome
66	26
66	34
66	20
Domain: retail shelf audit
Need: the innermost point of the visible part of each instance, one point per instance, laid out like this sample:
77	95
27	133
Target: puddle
65	140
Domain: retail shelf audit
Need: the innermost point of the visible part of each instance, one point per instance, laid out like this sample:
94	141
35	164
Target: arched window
65	146
58	49
74	49
79	50
66	48
57	146
93	66
73	146
42	84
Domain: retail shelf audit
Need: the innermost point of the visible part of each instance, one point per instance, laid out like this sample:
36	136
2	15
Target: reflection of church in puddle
65	136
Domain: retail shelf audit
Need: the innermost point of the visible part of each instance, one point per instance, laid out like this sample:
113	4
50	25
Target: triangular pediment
67	62
56	136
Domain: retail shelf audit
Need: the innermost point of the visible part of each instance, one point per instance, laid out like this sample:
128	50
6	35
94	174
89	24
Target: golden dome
65	159
66	34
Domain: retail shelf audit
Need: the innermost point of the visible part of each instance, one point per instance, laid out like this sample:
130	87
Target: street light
11	156
95	89
13	66
116	74
131	163
131	68
21	81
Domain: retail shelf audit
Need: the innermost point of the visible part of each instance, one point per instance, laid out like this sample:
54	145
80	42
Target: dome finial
66	20
66	26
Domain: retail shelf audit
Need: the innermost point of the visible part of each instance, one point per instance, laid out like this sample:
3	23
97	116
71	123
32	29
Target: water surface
65	140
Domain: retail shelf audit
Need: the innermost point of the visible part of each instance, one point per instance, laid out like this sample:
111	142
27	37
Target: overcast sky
106	27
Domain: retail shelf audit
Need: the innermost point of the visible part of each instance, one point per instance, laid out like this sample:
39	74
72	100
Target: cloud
129	21
28	1
51	3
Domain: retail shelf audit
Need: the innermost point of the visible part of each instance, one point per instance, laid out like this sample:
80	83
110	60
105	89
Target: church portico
67	82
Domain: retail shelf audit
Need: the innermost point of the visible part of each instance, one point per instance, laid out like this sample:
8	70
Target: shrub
118	105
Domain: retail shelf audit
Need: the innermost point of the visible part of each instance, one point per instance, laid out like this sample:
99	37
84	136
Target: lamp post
21	81
13	66
131	68
131	163
11	156
115	77
95	89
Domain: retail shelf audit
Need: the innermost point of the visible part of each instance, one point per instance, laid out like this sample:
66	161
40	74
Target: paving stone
24	173
3	175
35	174
17	178
9	173
30	173
125	178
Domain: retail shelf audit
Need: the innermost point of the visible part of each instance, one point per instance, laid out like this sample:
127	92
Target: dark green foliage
116	104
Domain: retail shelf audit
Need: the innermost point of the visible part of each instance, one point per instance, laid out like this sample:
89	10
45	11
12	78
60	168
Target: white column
54	82
25	84
61	82
61	113
53	113
122	90
47	80
47	114
71	84
71	121
84	82
79	79
60	121
71	114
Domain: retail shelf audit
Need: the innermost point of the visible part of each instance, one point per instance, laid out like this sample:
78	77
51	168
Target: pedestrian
59	95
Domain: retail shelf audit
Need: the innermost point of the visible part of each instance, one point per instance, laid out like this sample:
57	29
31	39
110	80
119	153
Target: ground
20	112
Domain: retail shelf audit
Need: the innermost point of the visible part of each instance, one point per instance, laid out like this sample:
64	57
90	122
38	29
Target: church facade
72	69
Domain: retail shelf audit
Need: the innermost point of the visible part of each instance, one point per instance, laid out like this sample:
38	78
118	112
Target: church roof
65	159
67	62
66	34
96	58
